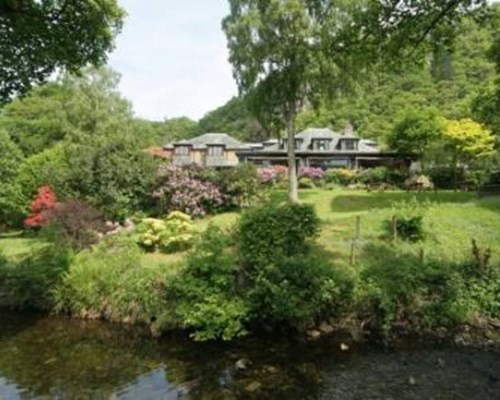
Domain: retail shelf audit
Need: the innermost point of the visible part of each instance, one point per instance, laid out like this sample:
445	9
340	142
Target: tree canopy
415	132
297	52
40	37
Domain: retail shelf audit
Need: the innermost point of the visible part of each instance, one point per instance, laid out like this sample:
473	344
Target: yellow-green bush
176	233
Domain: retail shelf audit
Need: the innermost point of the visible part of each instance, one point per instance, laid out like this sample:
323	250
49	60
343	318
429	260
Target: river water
44	357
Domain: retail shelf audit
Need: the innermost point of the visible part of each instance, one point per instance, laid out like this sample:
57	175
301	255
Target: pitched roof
210	139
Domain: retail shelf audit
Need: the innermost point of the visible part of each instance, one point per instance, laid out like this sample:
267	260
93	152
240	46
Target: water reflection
57	358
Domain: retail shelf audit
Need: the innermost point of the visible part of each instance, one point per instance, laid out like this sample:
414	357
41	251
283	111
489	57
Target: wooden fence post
421	256
354	243
394	227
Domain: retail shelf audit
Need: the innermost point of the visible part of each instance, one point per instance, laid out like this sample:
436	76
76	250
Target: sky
172	56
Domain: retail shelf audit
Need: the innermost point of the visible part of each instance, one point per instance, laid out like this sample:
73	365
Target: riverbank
223	288
47	357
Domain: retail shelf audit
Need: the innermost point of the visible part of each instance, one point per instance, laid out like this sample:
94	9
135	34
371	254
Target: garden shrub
306	183
297	289
204	292
445	177
177	189
74	224
27	283
176	233
240	186
374	176
273	175
109	282
342	176
396	290
274	231
409	216
399	290
44	201
312	173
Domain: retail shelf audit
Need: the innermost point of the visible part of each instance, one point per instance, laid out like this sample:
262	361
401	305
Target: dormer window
321	144
215	151
182	150
349	144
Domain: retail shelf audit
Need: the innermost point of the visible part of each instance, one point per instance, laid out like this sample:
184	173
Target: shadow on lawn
355	202
490	203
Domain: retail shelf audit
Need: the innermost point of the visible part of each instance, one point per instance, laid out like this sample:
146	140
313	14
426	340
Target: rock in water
344	347
253	387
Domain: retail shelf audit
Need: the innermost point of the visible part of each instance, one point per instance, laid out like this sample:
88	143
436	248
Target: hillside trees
71	107
79	136
39	37
291	48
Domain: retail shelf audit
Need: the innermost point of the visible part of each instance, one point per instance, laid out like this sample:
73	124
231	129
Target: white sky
172	56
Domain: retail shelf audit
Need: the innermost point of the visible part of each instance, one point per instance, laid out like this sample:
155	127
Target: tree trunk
293	194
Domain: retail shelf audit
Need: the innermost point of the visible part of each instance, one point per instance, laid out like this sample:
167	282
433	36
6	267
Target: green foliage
271	232
109	282
179	128
27	283
306	183
176	233
207	302
374	176
415	132
468	140
73	224
398	290
342	176
240	186
114	175
409	217
50	167
40	37
10	159
298	288
233	118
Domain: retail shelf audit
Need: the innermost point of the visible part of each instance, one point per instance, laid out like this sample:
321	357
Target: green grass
452	221
16	244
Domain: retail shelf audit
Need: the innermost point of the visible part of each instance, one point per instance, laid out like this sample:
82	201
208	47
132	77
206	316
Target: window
321	144
349	145
182	150
215	151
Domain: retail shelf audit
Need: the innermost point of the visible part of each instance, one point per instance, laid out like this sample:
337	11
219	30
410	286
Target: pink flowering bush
179	190
274	174
311	173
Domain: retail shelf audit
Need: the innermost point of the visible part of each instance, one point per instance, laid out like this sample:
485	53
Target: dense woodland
459	82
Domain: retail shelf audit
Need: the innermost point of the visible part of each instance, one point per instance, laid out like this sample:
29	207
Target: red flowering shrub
44	201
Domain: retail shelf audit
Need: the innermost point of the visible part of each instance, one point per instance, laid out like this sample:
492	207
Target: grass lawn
15	244
452	220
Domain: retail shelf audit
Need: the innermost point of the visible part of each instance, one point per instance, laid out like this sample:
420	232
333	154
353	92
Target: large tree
276	48
39	37
294	51
72	106
415	132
